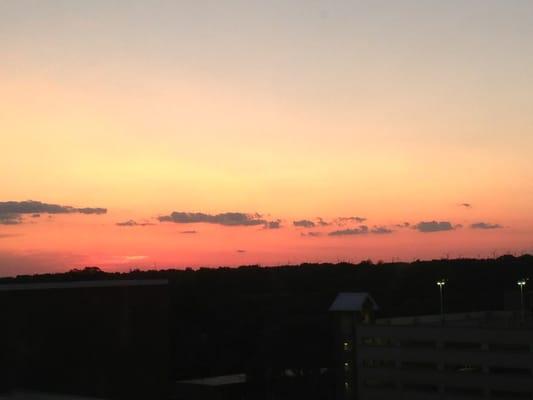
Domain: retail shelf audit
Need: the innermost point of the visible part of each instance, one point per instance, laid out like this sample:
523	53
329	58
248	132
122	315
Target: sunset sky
205	133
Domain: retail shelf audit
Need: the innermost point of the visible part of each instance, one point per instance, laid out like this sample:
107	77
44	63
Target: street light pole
521	283
441	284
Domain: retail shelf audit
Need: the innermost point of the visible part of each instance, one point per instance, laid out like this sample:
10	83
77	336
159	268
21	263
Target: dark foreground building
117	339
107	339
479	355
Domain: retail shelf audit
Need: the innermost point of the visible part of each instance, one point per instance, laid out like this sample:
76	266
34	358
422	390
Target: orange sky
294	110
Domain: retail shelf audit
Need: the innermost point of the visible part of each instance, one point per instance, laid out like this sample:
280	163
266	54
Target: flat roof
23	395
7	287
217	380
468	319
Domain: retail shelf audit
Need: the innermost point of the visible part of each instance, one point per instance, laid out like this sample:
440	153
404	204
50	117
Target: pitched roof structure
350	301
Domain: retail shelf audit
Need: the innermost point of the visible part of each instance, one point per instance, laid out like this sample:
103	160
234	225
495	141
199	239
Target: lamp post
441	283
521	283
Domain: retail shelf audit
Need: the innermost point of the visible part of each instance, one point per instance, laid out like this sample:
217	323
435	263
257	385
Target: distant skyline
207	133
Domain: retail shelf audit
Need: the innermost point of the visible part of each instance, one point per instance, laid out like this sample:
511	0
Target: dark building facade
108	339
478	355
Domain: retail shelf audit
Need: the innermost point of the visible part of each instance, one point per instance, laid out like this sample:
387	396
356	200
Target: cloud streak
403	225
11	212
362	230
318	222
304	223
131	223
312	234
485	225
433	226
381	230
226	219
273	224
89	210
343	220
10	219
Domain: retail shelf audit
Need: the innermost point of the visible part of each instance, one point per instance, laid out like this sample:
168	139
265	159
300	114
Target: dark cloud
133	223
307	223
36	215
304	223
88	210
311	234
189	232
343	220
466	205
227	219
273	224
241	251
10	219
404	225
32	207
485	225
433	226
127	223
11	211
362	230
321	222
381	230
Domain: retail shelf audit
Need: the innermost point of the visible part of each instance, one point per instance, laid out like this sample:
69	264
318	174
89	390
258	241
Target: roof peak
352	301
